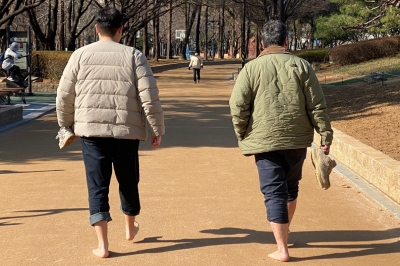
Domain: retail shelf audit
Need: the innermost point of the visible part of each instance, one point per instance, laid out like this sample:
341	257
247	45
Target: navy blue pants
196	72
279	173
100	155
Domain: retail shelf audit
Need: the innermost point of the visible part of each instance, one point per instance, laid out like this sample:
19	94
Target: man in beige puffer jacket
107	95
276	104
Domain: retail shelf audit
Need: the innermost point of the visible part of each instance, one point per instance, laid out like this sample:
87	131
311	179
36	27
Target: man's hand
201	67
155	141
325	148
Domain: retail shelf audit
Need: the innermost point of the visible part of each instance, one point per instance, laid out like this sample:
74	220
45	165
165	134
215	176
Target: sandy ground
201	203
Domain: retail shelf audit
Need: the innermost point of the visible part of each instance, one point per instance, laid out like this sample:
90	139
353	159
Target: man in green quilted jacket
276	104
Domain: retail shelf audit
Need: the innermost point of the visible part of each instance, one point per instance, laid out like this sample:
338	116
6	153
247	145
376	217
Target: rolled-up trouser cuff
131	213
98	217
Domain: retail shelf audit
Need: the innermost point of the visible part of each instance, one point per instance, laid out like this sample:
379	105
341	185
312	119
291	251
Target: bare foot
280	256
131	230
101	252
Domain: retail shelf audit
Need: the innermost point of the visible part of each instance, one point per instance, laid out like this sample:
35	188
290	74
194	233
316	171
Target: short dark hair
274	32
109	20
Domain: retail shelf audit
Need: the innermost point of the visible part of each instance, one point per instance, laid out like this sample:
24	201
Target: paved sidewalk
30	112
201	203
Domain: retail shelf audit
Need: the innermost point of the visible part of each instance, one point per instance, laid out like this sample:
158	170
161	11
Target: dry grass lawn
367	112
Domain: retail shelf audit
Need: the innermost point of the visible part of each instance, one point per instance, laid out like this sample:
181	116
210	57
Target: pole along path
201	203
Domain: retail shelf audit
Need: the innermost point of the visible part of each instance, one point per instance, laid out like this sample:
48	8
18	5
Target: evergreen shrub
314	55
365	50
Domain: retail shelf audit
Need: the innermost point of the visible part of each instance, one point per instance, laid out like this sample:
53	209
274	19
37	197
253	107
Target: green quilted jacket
277	103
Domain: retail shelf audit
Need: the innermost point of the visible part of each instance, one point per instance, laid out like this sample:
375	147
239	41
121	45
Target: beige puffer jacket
196	61
108	90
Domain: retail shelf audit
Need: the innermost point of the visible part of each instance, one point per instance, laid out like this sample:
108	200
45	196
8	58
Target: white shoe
10	79
65	137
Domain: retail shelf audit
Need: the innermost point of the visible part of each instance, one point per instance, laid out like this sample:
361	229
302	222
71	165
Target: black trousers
279	173
196	72
100	156
15	73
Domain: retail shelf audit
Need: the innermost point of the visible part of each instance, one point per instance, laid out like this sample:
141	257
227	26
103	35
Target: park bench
5	94
375	77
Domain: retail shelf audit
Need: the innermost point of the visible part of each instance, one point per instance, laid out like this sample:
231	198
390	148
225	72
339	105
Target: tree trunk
206	42
145	50
46	38
198	31
243	48
62	26
189	24
248	36
295	34
275	9
232	40
257	39
156	39
74	14
221	30
169	33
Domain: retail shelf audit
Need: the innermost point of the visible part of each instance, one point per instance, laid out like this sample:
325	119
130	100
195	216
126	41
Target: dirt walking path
201	203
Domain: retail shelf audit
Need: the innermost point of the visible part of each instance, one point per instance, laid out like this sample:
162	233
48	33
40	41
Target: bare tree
140	12
10	9
169	38
75	24
44	24
191	11
198	29
221	30
62	25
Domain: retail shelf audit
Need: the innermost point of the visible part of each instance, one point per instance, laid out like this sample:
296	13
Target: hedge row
366	50
314	55
52	63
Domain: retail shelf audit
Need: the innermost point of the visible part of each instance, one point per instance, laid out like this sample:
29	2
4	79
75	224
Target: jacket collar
274	49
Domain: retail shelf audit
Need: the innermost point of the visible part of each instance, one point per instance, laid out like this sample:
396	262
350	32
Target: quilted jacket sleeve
240	103
317	109
148	93
65	100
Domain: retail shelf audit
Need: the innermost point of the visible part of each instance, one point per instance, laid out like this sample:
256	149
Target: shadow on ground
206	123
354	101
36	213
311	239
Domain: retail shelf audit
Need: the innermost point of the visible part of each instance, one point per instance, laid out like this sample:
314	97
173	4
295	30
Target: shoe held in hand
323	166
65	137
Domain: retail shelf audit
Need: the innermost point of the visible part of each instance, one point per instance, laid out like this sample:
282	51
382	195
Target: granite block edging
10	114
37	87
377	168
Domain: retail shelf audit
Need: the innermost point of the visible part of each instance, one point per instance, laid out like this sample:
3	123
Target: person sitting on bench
9	65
